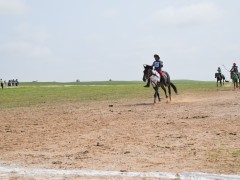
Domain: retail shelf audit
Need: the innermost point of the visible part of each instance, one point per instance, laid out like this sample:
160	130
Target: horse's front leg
156	94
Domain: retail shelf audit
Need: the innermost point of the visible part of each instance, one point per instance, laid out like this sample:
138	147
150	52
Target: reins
225	68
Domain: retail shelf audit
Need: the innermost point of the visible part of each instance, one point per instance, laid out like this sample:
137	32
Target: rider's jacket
158	65
234	69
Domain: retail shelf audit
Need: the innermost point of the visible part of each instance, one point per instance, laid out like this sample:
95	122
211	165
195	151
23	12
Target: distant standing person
1	82
13	82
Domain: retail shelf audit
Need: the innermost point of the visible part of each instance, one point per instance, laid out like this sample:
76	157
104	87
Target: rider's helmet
234	64
156	56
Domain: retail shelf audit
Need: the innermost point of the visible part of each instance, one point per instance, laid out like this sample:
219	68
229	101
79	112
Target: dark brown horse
220	78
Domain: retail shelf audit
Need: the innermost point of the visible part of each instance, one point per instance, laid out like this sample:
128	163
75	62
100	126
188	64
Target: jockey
234	69
157	65
219	71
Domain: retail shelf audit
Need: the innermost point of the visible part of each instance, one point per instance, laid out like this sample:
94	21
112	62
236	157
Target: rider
219	71
234	69
157	65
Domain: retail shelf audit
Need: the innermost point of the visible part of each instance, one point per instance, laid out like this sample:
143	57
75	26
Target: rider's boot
148	83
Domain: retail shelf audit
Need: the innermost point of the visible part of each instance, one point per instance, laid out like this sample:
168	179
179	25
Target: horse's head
147	72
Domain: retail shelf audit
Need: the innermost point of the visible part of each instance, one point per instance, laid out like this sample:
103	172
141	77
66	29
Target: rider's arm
161	64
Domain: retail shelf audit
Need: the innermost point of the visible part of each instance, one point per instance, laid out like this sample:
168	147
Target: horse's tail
174	87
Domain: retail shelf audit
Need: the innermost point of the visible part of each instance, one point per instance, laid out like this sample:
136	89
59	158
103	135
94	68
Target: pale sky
98	40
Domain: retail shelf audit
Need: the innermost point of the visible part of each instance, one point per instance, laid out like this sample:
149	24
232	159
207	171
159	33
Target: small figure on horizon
219	70
1	82
16	82
9	83
13	82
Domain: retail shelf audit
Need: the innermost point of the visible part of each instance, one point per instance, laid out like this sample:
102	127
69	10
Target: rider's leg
161	73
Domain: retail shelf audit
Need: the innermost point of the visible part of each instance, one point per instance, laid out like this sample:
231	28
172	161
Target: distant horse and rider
220	77
234	75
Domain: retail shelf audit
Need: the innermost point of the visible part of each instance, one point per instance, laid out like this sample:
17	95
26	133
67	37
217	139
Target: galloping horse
220	77
157	82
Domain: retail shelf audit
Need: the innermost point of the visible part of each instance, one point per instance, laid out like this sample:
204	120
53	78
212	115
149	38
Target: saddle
234	75
219	75
156	75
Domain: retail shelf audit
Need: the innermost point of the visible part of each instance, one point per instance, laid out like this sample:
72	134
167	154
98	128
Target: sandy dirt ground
193	133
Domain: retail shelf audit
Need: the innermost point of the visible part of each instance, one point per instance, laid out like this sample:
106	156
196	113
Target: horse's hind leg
164	89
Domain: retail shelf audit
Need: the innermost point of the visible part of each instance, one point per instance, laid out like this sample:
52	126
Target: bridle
147	73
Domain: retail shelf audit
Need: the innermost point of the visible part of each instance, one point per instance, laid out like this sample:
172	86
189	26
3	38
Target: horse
156	82
235	78
220	78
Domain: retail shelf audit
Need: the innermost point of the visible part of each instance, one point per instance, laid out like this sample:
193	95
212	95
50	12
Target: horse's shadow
143	104
138	104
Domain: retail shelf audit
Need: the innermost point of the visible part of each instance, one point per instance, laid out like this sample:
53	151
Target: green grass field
39	93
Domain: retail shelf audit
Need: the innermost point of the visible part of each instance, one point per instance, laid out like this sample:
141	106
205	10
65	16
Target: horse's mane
146	66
